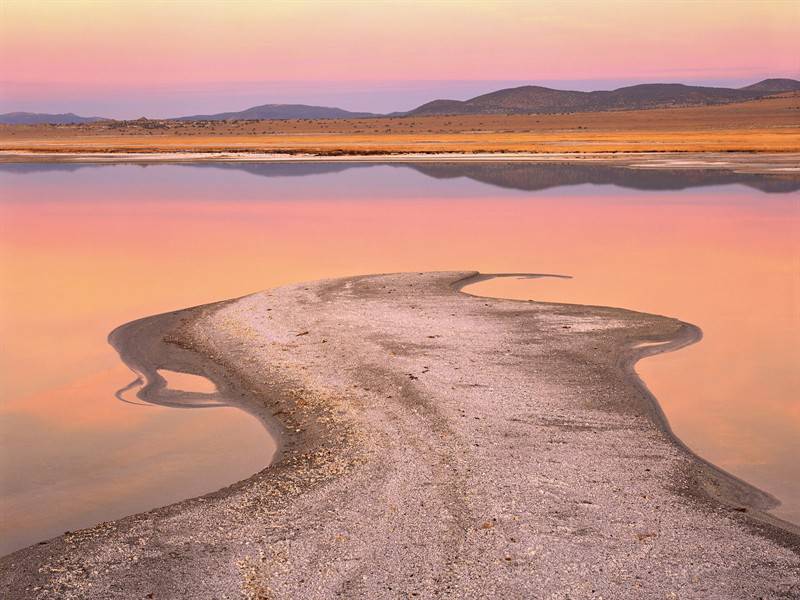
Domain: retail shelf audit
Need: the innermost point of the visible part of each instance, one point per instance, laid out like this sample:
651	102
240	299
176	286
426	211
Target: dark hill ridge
28	118
775	86
519	100
281	111
537	99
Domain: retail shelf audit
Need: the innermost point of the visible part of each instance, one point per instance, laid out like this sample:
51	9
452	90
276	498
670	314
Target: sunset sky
126	59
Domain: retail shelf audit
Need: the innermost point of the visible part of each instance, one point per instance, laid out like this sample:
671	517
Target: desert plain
771	124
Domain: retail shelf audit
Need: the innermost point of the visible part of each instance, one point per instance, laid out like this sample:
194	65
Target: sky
126	59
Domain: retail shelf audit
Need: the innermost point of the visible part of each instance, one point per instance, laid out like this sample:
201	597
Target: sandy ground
766	125
433	444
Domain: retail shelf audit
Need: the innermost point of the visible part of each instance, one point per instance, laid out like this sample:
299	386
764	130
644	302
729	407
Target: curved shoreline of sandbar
433	443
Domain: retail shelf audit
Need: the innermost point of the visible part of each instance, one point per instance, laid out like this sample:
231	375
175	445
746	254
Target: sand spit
433	444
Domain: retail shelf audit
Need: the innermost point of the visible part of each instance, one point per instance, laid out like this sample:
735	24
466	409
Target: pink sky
179	57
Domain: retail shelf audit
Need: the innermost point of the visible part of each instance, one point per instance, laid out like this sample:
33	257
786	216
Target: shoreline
339	440
142	349
299	155
717	485
783	165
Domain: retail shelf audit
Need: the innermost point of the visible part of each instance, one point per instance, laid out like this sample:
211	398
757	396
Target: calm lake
87	247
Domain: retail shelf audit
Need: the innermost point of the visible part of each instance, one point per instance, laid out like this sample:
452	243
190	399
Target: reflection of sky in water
249	181
84	250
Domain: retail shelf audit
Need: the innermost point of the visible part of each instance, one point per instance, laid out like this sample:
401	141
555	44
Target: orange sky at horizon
142	43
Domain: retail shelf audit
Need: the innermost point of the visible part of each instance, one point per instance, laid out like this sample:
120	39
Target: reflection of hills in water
533	177
272	169
41	167
511	175
286	169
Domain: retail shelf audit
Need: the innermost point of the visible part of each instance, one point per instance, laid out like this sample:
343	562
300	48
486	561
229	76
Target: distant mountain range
529	99
772	86
535	99
281	111
29	118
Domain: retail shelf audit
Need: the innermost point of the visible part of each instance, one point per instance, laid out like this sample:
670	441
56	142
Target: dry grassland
766	125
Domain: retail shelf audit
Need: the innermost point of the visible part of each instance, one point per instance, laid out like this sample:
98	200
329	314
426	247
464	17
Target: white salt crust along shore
766	163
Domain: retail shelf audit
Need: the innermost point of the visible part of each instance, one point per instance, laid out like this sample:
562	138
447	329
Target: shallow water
85	248
187	382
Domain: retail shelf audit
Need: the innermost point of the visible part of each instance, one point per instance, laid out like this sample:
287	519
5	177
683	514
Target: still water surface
85	248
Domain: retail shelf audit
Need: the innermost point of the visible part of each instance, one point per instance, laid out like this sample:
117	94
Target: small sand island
431	443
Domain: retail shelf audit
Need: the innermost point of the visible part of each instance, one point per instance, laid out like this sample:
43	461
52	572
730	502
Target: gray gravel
433	444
